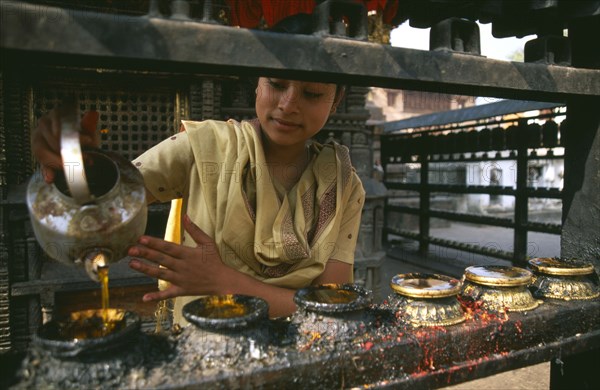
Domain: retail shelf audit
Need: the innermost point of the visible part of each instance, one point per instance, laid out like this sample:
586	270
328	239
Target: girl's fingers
48	174
45	140
174	250
48	160
89	122
44	154
89	125
47	128
50	128
55	123
153	271
170	292
154	256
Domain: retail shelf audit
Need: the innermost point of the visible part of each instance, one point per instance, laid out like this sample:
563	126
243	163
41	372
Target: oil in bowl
88	332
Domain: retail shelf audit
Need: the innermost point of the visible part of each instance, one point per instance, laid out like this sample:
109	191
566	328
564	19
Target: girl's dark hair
301	24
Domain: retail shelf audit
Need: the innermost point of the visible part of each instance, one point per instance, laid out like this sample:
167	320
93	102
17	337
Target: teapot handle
70	151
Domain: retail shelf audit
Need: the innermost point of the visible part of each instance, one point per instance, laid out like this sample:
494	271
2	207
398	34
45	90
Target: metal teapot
95	209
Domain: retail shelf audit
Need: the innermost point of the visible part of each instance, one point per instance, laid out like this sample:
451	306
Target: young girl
264	212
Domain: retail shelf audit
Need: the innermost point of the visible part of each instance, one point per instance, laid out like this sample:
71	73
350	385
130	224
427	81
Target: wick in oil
224	307
333	296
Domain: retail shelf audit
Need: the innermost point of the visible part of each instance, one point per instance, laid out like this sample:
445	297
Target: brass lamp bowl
330	313
86	332
333	298
499	288
226	312
427	299
227	330
564	279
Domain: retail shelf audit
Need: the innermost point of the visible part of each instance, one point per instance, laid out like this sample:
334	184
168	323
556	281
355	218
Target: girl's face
291	112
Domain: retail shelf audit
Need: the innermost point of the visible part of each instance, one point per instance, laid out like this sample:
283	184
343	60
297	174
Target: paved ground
529	378
402	258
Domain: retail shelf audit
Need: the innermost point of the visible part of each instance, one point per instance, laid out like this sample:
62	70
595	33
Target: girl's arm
335	272
281	299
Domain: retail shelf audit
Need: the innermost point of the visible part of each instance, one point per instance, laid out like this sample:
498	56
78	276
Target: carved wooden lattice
131	120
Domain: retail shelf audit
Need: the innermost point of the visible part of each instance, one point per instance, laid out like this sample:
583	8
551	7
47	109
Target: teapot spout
94	259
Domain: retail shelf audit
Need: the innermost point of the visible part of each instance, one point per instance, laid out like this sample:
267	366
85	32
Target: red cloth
387	8
390	11
276	10
248	13
245	13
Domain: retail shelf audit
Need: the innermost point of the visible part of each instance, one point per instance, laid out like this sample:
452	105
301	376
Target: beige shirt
285	239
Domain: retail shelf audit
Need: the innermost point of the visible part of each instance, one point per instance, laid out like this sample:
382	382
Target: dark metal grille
131	119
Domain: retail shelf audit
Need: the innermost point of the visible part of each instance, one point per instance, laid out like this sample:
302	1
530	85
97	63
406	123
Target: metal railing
411	157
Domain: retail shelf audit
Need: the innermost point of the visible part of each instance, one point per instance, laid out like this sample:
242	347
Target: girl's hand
45	140
190	271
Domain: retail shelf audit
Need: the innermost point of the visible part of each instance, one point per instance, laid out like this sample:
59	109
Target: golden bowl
564	279
427	299
331	313
499	288
226	312
333	298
